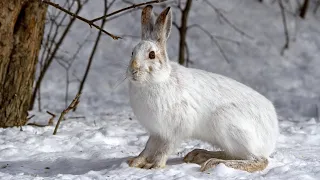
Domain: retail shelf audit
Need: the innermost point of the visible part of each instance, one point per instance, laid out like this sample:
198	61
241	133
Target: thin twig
130	36
220	49
50	122
90	23
176	25
188	54
215	36
37	125
67	65
119	15
50	113
286	32
77	117
39	99
227	20
213	39
126	8
95	47
72	105
51	54
30	117
318	113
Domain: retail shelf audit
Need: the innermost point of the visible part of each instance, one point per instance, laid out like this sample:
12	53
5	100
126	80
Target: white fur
175	103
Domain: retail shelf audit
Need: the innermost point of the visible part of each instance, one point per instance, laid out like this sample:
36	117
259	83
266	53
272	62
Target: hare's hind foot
199	156
244	165
210	159
138	161
142	162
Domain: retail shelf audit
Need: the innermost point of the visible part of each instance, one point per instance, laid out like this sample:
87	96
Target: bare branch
30	117
215	36
39	100
119	15
130	36
286	32
77	117
72	105
67	64
37	125
220	49
50	122
91	23
227	20
126	8
50	113
48	45
188	54
53	51
213	39
176	25
106	8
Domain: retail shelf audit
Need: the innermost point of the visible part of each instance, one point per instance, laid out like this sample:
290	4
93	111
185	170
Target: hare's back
215	87
225	103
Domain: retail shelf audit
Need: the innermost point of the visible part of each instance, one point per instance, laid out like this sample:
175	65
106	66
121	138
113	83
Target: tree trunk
21	31
304	9
183	31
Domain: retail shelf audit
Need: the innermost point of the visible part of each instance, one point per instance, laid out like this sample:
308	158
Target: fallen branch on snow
50	122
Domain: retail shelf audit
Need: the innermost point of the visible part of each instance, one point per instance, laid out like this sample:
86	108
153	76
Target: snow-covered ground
96	145
97	148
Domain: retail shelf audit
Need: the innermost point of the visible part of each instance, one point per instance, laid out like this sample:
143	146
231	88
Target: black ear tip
149	6
167	10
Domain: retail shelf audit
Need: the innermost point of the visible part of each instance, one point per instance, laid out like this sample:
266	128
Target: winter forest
72	105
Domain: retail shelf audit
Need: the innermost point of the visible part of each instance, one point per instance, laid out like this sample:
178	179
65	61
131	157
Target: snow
96	145
84	149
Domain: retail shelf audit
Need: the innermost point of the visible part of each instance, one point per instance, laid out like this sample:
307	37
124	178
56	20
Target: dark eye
132	53
152	55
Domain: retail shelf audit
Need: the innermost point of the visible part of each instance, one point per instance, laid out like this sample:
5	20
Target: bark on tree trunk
21	31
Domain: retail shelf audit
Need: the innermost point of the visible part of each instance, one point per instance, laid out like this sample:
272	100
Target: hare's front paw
141	162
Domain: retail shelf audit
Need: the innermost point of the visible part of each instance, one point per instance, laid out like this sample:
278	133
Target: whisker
119	82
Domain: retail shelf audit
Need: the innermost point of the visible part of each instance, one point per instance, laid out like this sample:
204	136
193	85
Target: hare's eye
152	55
132	53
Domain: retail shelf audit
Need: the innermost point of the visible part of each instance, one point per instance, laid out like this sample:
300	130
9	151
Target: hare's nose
134	64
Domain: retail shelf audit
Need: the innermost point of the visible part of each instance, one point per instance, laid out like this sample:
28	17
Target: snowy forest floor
98	147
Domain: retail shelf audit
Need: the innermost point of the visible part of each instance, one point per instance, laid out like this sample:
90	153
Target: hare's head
149	62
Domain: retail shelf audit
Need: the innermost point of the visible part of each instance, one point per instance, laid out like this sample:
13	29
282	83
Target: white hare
175	103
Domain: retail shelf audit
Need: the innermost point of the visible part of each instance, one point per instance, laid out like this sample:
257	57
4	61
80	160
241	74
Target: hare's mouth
135	75
133	78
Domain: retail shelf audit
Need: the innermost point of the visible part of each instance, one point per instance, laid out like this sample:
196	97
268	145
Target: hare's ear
147	21
163	25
